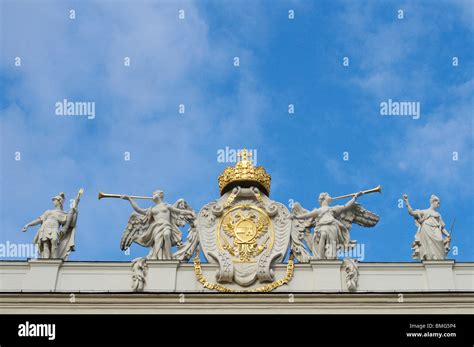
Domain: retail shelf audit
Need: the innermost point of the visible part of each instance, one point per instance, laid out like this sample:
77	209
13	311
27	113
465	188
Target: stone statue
351	273
157	226
56	236
139	272
331	226
429	243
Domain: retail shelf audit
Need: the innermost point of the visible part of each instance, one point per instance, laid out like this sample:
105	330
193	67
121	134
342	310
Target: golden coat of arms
244	231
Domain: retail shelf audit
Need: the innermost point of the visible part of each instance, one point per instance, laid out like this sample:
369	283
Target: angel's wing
301	230
359	215
186	250
302	225
137	225
178	219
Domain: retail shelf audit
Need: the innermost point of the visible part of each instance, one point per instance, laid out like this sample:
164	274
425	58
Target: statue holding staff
56	236
429	243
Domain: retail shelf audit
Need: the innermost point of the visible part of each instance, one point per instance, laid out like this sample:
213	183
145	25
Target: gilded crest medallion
245	231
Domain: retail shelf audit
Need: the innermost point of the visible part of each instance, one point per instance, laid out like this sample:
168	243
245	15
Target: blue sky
282	62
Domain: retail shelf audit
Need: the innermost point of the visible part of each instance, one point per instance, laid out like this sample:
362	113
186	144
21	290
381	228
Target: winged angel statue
331	226
158	226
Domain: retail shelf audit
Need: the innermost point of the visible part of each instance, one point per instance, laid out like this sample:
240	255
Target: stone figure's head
158	196
324	199
434	201
58	200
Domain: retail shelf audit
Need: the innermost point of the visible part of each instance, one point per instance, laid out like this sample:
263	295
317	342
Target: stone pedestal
43	274
439	274
161	275
327	275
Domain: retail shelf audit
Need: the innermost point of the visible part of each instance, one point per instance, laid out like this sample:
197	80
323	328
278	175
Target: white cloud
425	150
173	62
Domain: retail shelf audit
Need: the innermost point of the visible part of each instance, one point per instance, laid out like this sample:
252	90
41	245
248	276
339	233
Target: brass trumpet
118	196
377	189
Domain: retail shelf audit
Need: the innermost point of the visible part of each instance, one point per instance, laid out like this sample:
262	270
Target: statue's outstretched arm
135	206
35	222
32	223
409	208
351	202
348	204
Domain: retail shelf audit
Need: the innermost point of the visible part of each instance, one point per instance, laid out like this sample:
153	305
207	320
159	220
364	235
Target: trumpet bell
378	189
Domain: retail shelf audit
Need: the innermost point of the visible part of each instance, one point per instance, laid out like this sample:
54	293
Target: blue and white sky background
190	61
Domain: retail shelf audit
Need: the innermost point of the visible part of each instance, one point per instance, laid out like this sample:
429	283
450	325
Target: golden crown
244	174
